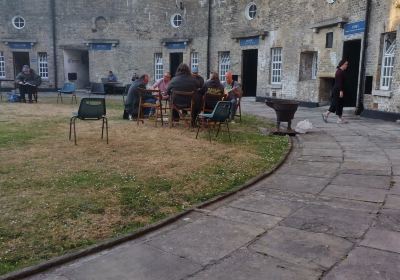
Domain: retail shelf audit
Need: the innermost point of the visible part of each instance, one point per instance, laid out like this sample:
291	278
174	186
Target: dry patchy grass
56	197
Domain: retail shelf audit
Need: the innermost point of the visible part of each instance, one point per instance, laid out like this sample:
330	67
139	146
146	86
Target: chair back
68	88
92	108
221	111
182	99
97	88
211	98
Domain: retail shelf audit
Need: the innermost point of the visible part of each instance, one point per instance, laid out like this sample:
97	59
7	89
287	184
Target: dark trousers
336	103
26	89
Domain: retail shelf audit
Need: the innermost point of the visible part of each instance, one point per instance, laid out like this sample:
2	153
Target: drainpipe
208	37
54	31
361	86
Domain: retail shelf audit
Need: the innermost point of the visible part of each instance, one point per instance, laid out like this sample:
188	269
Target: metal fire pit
285	110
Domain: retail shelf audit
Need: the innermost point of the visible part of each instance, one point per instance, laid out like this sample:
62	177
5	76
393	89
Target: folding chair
218	116
181	101
157	106
68	88
90	109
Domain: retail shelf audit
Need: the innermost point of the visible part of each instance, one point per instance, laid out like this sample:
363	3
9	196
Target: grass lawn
57	197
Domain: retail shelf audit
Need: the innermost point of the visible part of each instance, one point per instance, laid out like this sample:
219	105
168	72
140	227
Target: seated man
28	82
162	84
232	92
111	77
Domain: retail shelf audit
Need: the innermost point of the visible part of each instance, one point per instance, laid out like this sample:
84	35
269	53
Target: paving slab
259	202
366	181
246	265
382	239
367	264
315	169
335	202
395	189
313	250
355	193
246	217
389	219
365	168
206	240
336	221
392	202
297	183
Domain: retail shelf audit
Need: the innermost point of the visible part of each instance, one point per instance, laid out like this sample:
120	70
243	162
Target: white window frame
314	66
43	65
194	61
158	66
251	11
224	64
18	24
176	20
276	66
387	65
2	66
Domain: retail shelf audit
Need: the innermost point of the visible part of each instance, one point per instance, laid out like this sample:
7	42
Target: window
314	67
176	20
43	65
195	59
2	66
329	40
18	22
388	61
224	64
251	11
308	66
276	65
158	66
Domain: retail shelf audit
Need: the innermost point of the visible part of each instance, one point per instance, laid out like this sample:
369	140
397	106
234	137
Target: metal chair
68	88
157	106
211	98
218	116
90	109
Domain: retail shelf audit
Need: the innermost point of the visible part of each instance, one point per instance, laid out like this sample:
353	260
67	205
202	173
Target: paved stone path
331	212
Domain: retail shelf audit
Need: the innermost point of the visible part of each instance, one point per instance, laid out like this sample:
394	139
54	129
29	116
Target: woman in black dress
337	93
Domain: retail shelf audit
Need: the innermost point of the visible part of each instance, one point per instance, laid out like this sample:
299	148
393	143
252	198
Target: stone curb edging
32	270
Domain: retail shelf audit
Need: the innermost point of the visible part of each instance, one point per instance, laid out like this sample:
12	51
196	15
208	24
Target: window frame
43	65
158	66
314	66
2	65
387	63
194	59
224	64
249	11
329	37
14	23
174	21
276	66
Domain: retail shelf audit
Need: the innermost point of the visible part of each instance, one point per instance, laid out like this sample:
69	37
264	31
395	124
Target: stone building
287	49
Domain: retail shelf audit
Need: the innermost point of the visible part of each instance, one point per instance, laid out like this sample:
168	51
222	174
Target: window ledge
276	86
382	93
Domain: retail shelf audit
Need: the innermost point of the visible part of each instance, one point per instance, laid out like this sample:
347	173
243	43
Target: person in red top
337	100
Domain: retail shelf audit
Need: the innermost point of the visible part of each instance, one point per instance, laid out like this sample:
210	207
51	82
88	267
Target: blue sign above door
250	41
101	46
175	45
20	45
354	27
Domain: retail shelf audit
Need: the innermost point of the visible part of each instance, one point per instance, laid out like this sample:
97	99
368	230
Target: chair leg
70	128
209	131
198	126
106	129
74	131
219	127
102	128
229	133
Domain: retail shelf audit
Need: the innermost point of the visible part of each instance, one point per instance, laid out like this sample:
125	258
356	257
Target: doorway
20	59
174	60
76	67
351	52
249	72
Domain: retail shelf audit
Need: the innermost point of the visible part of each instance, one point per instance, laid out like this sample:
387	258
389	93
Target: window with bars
388	61
2	66
43	65
276	65
195	59
158	66
224	64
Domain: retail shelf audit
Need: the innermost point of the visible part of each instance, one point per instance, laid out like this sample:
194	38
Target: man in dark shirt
132	98
28	82
198	95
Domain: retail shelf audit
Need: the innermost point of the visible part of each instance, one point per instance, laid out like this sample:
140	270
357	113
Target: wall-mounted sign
33	59
101	46
354	27
250	41
175	45
20	45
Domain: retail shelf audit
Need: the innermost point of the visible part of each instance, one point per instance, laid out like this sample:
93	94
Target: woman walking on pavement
337	100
